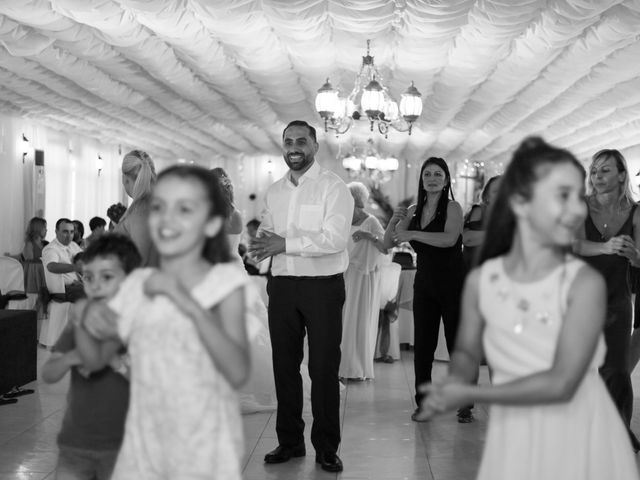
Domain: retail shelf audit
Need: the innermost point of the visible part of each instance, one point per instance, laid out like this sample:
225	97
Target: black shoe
330	462
283	454
465	415
18	392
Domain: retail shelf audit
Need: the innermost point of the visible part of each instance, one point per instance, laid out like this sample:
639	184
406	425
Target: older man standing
305	228
57	258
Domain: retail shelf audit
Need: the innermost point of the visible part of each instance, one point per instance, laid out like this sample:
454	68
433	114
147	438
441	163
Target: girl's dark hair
216	249
113	245
524	170
443	201
34	229
227	188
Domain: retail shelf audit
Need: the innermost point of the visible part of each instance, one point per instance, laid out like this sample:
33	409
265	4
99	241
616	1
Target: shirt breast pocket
310	218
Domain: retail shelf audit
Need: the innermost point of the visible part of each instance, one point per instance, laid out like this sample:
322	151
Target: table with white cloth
405	315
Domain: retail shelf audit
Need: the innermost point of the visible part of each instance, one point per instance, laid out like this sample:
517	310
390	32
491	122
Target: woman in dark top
607	243
434	228
474	221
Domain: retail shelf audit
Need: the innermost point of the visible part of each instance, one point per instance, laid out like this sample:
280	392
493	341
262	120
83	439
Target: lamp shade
351	163
390	110
389	164
373	101
371	162
411	104
327	102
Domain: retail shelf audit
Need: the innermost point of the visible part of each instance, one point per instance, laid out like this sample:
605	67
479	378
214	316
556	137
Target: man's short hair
114	245
301	123
254	222
97	222
61	221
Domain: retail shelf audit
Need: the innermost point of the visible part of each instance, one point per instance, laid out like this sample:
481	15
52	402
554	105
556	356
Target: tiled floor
379	441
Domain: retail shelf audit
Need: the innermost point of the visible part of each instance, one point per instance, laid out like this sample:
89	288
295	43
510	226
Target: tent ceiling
196	78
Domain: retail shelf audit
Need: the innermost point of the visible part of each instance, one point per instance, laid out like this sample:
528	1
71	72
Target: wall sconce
99	164
26	147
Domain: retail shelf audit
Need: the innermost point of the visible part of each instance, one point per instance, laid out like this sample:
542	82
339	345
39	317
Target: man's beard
299	165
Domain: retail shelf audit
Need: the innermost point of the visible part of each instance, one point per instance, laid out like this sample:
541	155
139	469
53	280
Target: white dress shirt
314	217
59	253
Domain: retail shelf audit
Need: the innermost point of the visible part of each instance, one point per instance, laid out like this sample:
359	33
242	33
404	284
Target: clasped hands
442	396
622	245
268	244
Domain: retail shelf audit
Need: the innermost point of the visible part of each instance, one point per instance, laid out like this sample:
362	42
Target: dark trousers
313	306
615	369
432	300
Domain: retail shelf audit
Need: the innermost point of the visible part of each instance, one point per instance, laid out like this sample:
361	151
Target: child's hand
444	396
100	321
160	283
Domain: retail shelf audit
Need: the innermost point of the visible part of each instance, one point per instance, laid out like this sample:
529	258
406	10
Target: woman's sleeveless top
431	260
614	268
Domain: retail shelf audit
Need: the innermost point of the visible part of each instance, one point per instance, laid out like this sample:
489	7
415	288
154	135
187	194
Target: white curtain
73	187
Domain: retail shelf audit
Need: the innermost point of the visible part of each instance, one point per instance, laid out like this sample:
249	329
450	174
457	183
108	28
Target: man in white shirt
305	228
57	258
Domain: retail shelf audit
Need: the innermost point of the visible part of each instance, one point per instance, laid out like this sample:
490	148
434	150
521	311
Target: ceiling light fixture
366	163
371	97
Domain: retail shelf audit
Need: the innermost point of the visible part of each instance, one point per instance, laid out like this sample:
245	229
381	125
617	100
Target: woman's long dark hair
524	170
216	249
443	201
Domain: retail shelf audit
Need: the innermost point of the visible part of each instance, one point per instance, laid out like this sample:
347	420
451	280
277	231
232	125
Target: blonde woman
138	177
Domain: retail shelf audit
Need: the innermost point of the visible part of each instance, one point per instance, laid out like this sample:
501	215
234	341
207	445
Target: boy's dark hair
78	257
254	222
97	222
116	245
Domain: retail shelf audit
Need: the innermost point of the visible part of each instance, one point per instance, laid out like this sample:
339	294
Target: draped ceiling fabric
201	78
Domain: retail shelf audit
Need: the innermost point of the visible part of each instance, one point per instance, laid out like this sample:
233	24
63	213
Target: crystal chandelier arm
340	126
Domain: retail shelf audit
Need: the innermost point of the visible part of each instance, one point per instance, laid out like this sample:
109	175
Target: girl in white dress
537	313
362	285
184	326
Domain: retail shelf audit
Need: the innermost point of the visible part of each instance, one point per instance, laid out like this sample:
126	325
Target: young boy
97	402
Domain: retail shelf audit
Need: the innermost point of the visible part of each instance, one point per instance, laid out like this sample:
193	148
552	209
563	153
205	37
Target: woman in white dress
362	285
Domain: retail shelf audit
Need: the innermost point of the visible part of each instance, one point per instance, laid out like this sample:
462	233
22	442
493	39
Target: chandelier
367	164
370	94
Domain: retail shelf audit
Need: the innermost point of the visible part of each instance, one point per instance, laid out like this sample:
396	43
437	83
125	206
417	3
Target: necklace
509	291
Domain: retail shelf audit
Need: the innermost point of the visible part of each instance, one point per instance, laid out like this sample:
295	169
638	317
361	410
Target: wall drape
73	187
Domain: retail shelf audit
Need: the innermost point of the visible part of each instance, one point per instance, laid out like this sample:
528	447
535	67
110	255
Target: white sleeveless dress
183	419
581	439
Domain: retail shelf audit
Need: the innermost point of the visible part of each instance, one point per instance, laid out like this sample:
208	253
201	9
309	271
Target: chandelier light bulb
411	104
373	100
327	101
